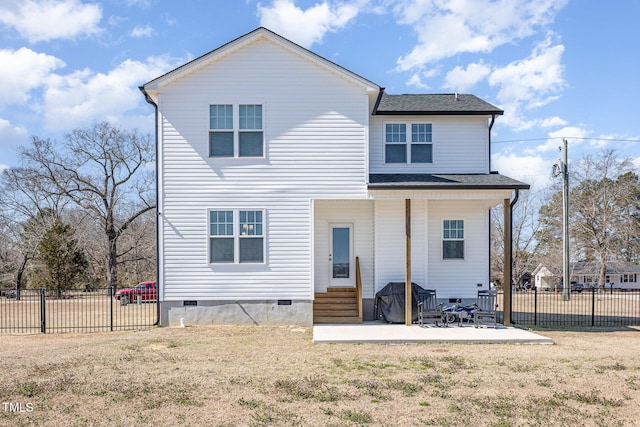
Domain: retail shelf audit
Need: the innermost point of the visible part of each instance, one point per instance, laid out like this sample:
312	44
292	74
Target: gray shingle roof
489	181
434	104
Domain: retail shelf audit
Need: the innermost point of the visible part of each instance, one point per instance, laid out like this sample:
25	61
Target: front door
341	265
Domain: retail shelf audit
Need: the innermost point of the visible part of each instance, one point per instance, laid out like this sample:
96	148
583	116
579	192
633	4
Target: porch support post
407	274
506	275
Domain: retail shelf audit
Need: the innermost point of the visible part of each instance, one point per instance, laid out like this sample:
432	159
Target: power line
567	137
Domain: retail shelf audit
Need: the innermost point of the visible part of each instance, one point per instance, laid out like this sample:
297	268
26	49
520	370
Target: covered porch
400	233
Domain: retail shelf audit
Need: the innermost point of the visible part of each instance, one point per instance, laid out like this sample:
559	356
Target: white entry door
341	264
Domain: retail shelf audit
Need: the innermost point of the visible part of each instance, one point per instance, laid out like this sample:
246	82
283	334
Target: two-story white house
277	169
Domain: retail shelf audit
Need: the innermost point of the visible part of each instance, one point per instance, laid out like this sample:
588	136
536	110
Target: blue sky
559	68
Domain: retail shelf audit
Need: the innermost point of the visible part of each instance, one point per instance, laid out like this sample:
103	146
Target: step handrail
359	287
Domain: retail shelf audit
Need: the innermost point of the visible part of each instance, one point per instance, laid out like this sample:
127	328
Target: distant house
619	275
291	190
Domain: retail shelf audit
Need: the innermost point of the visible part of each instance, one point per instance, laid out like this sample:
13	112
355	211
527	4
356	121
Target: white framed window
453	239
236	236
236	130
417	148
629	278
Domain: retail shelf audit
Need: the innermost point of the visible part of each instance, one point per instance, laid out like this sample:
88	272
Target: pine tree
62	261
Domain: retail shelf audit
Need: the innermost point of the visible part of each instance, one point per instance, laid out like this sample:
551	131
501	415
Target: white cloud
307	27
573	132
83	97
605	140
533	81
142	31
50	19
532	169
416	80
11	136
21	71
576	136
552	122
461	80
445	28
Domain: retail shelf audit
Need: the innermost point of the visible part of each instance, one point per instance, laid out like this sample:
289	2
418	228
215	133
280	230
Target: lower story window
453	239
236	236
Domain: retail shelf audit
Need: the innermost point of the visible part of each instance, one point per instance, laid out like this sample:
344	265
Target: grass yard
261	376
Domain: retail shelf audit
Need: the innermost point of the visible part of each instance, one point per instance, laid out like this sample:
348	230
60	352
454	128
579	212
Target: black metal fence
52	311
591	307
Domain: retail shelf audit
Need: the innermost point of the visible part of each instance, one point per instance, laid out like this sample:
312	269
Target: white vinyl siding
428	269
460	145
459	278
390	242
315	147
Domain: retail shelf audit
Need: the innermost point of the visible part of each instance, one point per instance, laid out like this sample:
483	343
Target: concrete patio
384	333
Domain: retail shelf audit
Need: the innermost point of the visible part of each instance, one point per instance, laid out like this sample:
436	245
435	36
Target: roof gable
260	33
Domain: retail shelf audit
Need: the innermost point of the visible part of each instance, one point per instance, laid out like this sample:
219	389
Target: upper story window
418	148
453	239
236	130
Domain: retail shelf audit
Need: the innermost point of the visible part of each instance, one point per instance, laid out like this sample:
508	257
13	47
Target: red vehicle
145	290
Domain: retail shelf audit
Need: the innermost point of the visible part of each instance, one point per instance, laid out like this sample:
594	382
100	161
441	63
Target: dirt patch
228	376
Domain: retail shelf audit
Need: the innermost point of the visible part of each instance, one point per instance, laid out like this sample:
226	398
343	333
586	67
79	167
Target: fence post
535	306
593	306
43	310
111	306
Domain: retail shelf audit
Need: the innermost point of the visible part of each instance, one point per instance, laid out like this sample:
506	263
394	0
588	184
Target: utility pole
562	168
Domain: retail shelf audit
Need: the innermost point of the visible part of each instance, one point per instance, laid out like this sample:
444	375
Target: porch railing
359	287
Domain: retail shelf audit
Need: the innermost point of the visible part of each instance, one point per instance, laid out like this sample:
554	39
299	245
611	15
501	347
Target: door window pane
341	255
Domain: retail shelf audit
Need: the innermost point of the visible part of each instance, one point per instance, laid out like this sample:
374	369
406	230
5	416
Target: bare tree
102	169
28	209
524	245
596	214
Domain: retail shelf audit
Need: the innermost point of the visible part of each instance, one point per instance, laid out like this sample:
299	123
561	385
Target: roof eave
400	186
438	113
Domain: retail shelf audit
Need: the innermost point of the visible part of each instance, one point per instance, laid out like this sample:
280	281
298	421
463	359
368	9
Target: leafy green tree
63	263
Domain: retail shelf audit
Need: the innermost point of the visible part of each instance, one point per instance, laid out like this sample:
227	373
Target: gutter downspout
155	125
378	99
493	120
